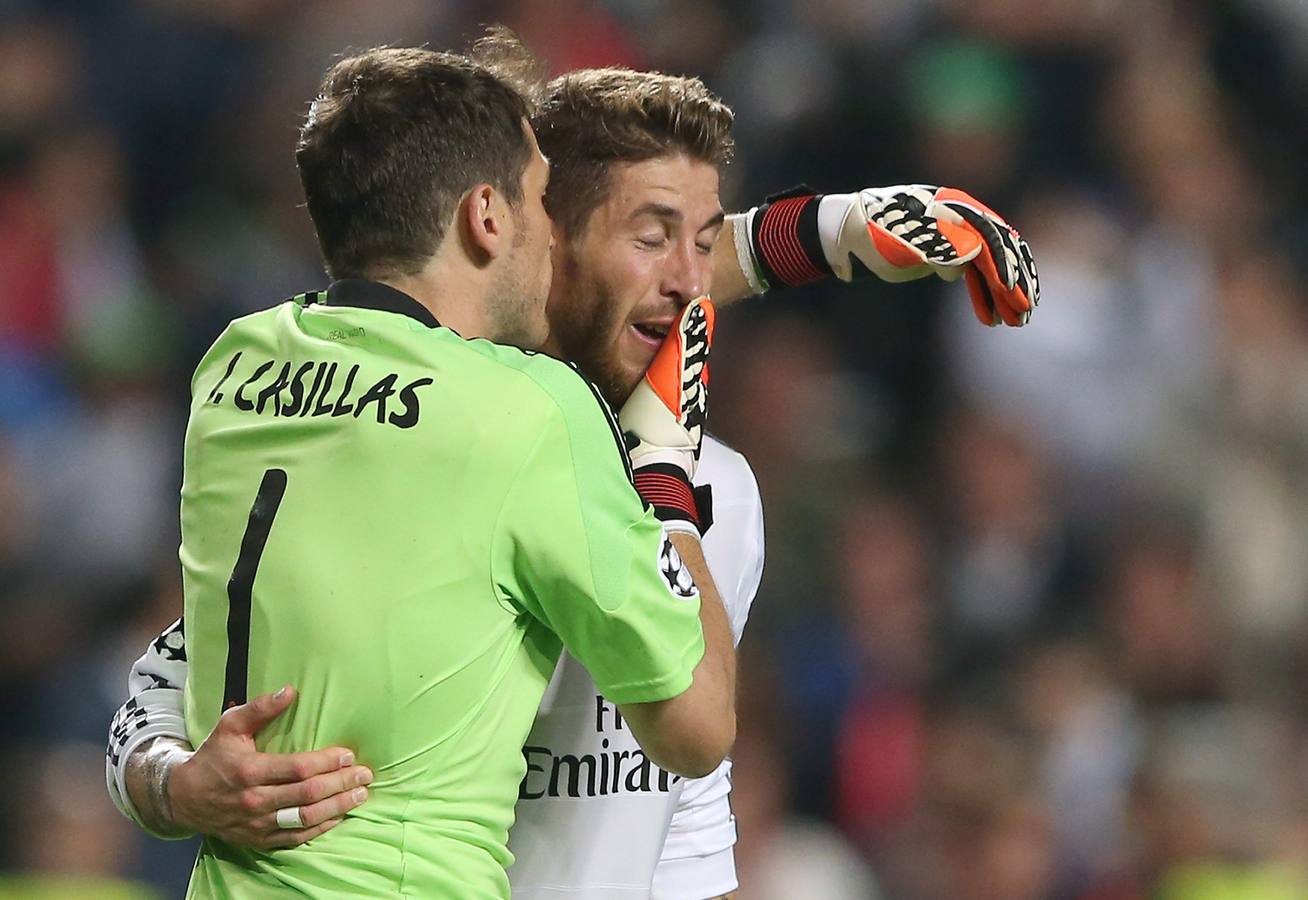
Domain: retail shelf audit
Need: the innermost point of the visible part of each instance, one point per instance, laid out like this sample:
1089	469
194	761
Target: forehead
677	181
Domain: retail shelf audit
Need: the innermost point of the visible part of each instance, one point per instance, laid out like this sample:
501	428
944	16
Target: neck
457	299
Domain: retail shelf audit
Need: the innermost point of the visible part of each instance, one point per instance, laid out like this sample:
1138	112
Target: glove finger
1008	311
684	353
705	303
1028	263
965	240
1010	302
1014	300
951	196
989	231
1014	288
982	303
1022	262
664	372
996	292
1013	308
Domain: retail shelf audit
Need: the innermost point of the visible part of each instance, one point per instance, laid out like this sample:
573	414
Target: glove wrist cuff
786	242
667	489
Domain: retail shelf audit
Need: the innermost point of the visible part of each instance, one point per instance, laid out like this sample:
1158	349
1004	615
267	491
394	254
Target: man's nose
687	274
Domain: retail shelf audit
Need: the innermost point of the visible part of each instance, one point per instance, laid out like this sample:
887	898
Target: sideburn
579	331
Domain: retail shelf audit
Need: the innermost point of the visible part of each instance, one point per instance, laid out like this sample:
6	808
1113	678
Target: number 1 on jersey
240	586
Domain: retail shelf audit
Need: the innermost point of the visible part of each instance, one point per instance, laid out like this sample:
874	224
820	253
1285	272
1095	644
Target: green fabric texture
452	512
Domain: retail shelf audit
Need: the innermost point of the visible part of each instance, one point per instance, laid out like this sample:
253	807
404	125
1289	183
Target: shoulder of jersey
726	469
563	385
257	319
556	380
253	318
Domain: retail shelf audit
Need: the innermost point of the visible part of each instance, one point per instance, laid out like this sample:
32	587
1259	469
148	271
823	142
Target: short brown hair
593	118
395	138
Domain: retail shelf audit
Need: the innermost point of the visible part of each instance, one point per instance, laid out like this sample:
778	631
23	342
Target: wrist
785	240
161	762
667	488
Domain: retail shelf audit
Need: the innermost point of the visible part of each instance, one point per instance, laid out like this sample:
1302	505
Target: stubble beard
587	334
513	305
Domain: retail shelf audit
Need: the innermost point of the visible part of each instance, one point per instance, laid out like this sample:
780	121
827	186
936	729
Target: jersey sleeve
576	548
697	857
153	709
735	553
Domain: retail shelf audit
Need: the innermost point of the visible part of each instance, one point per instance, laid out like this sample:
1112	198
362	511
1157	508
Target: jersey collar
375	295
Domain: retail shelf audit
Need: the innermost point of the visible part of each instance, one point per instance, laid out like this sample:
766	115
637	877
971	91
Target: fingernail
347	759
281	693
364	777
360	794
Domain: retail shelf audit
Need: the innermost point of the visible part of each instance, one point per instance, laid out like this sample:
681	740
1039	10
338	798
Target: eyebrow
663	211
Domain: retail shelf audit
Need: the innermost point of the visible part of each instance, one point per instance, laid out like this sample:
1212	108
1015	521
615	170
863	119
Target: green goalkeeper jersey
407	526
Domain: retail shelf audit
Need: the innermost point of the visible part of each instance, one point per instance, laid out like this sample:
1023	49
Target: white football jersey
595	818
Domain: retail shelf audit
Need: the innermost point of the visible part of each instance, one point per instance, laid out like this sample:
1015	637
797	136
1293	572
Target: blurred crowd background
1033	622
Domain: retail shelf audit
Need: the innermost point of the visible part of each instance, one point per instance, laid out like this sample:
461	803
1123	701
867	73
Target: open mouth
654	333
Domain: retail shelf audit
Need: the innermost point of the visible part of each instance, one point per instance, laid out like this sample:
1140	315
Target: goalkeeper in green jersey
389	506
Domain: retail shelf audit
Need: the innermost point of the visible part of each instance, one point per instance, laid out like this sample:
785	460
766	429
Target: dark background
1033	619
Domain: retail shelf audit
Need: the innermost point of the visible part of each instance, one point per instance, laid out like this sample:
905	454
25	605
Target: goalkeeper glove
663	419
897	233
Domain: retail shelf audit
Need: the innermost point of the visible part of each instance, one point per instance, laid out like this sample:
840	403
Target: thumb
688	342
250	718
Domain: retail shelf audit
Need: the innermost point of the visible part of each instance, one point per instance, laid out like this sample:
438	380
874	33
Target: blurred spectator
1089	734
1213	803
1033	622
780	855
67	836
887	601
1166	636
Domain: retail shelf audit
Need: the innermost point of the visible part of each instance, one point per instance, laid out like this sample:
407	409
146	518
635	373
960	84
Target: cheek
633	283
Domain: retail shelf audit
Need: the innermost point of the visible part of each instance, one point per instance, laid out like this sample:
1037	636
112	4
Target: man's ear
483	223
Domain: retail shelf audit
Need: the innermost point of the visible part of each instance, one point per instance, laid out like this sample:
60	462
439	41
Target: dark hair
395	138
593	118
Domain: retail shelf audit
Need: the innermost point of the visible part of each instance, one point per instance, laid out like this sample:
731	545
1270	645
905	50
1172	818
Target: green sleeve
577	549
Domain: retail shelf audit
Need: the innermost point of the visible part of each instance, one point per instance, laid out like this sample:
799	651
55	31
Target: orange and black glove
899	233
663	420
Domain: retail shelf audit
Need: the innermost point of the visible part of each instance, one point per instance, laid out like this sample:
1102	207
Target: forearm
146	778
897	233
729	281
692	733
717	669
152	711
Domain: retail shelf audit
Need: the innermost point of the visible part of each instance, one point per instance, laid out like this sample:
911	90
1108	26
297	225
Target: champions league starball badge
674	571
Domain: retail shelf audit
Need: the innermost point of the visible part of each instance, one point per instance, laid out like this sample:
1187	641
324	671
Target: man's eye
651	242
704	249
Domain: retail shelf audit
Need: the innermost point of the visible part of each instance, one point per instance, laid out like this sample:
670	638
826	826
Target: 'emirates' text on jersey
595	819
562	850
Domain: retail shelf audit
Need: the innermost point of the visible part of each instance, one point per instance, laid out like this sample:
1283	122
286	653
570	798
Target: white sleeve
153	709
697	859
752	572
